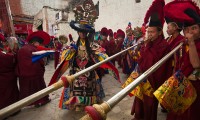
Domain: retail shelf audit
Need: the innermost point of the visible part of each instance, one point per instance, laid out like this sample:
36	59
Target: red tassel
93	113
110	66
65	81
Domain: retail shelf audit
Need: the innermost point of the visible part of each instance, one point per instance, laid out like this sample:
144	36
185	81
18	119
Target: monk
189	63
31	75
151	52
8	87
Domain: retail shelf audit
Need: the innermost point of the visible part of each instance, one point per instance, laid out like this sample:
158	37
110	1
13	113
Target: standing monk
188	63
8	87
120	35
192	62
31	75
173	30
152	51
104	42
112	45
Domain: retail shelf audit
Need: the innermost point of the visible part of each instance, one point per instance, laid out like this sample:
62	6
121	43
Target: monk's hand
147	39
190	38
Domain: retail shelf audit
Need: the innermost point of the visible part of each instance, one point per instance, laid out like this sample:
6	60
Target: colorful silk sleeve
108	66
65	58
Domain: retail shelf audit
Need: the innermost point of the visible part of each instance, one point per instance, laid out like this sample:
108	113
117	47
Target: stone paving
51	111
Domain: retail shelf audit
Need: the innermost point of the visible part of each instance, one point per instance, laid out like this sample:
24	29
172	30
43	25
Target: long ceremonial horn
32	98
98	112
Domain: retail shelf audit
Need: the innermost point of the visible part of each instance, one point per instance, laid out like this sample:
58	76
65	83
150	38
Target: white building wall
49	23
113	14
65	29
31	7
116	14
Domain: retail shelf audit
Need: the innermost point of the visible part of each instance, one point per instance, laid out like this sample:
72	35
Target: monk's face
171	29
194	30
82	35
110	38
119	38
36	43
130	36
55	41
104	37
152	33
63	41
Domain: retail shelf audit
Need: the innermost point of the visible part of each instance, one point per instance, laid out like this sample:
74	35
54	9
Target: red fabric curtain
23	28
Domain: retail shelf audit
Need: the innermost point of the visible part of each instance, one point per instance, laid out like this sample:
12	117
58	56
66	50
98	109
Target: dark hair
55	38
175	25
36	39
160	30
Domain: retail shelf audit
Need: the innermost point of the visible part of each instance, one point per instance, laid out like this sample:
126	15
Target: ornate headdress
138	32
85	16
129	30
156	14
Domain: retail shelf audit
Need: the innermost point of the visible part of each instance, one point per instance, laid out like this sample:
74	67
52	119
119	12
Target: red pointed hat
185	12
2	38
156	14
120	33
110	32
129	30
104	31
41	36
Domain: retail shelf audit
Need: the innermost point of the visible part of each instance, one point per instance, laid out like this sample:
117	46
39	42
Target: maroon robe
171	62
58	47
137	109
175	42
112	50
192	113
118	49
150	54
8	88
172	45
31	75
105	44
